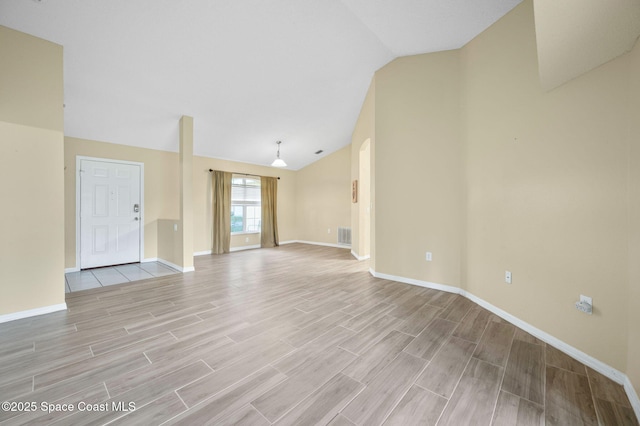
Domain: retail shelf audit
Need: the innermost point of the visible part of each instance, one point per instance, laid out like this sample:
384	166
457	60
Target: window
245	204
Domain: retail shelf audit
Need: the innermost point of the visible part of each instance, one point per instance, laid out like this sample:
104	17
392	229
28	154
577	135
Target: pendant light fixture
278	162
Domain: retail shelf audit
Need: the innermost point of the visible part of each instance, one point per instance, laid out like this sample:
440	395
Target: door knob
136	218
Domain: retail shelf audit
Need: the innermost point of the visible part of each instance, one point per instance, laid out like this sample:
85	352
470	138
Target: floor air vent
344	236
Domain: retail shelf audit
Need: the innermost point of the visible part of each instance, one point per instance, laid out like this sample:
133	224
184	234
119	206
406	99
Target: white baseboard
174	266
256	246
342	246
435	286
33	312
575	353
358	257
69	270
604	369
633	396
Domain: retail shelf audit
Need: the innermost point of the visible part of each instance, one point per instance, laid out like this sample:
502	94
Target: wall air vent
344	236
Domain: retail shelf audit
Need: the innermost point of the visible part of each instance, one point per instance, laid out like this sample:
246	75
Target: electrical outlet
328	230
246	239
429	257
585	305
507	277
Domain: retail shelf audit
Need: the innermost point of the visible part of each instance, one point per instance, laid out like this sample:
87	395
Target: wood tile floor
295	335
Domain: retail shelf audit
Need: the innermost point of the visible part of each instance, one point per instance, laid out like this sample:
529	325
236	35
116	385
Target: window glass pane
245	204
253	218
237	216
245	194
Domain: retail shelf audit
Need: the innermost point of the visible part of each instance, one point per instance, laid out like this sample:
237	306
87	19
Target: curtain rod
246	174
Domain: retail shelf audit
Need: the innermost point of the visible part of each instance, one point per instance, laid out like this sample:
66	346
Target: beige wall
31	81
323	198
364	131
364	201
31	170
546	180
202	201
633	356
244	241
171	247
162	197
161	189
186	230
170	241
32	229
592	32
502	175
418	168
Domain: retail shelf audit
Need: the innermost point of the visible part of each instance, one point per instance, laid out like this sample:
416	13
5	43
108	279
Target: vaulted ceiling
250	72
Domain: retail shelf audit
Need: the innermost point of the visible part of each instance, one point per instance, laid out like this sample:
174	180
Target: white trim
33	312
632	395
69	270
232	249
79	159
604	369
436	286
169	264
342	246
206	252
588	360
354	254
174	266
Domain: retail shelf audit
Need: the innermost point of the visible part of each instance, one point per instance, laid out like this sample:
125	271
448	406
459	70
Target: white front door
110	213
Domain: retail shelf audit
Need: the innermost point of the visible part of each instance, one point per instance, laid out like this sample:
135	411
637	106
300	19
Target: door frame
79	159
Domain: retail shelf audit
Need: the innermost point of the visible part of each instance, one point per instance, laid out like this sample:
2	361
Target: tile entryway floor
102	277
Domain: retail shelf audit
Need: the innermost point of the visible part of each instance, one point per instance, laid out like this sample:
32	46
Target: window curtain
269	225
221	212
